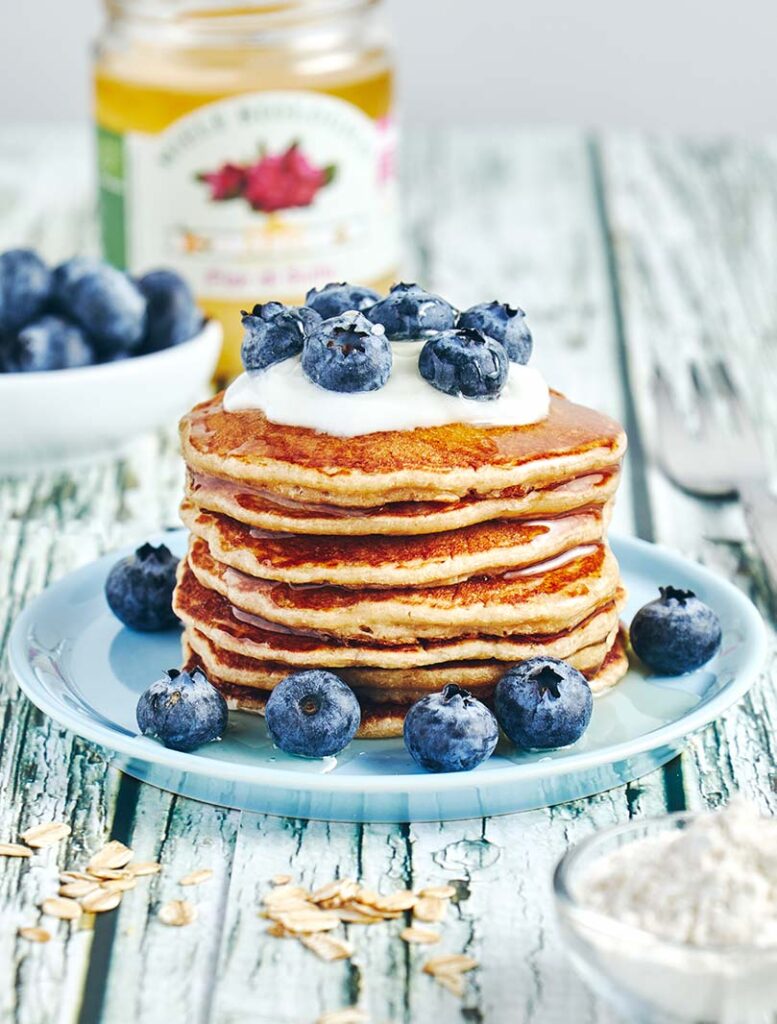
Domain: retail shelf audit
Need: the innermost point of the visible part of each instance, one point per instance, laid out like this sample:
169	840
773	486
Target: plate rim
279	778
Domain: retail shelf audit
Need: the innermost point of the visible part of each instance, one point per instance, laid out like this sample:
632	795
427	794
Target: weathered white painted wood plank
50	526
159	972
695	227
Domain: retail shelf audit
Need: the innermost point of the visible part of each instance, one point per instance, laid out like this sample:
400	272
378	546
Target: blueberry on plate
104	301
334	299
50	343
172	315
503	323
25	287
676	633
139	588
543	703
411	312
451	731
274	332
182	710
312	714
347	353
464	362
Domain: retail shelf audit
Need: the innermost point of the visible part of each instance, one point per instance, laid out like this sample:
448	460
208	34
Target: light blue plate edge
402	797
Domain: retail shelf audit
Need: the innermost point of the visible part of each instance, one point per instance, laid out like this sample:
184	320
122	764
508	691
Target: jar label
262	194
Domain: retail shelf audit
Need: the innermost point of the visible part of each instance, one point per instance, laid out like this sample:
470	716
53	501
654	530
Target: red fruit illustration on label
227	182
281	182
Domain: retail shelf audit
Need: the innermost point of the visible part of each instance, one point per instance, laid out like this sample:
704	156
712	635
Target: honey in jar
250	148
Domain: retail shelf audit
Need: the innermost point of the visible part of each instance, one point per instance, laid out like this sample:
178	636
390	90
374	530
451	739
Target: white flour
711	884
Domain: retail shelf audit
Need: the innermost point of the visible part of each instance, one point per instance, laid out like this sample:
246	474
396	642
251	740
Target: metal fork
718	459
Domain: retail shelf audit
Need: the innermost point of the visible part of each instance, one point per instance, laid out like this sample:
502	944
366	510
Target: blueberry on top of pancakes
334	299
464	362
347	353
274	332
409	311
506	324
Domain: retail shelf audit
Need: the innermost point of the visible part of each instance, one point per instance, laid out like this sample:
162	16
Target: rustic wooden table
626	252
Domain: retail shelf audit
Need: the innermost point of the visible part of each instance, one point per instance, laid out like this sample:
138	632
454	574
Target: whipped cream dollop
285	395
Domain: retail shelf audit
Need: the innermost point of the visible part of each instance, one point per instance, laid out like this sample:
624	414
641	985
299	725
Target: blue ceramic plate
75	661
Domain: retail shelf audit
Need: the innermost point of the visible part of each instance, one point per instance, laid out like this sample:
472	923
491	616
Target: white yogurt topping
285	395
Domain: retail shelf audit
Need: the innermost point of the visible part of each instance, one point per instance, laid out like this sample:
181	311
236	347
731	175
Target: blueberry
410	312
464	362
274	332
182	710
334	299
312	714
172	316
543	703
503	323
347	353
25	287
139	588
104	301
451	731
50	343
676	633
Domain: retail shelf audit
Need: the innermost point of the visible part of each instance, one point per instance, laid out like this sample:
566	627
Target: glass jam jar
251	148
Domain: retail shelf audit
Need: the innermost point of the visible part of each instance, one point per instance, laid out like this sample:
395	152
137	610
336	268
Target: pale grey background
680	65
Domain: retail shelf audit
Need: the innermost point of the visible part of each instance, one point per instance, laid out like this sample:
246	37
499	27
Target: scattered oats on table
448	970
34	934
430	910
327	947
114	855
14	850
178	913
100	900
46	834
109	874
78	888
119	884
62	907
197	877
438	892
421	936
144	867
305	922
349	1015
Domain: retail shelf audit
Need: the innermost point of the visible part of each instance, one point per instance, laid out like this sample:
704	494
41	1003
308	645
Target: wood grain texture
695	233
624	254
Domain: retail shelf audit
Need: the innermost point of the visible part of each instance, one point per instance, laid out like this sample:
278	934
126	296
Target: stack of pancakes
402	560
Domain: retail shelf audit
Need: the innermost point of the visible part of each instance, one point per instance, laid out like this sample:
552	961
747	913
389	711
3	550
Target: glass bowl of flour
675	919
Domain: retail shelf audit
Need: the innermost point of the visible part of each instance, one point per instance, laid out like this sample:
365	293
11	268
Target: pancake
230	628
393	561
548	598
268	511
380	719
444	463
397	686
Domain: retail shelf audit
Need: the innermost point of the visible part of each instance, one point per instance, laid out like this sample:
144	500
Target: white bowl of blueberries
90	358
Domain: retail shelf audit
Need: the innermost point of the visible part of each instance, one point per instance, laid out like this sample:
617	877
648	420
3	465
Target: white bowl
72	416
649	978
